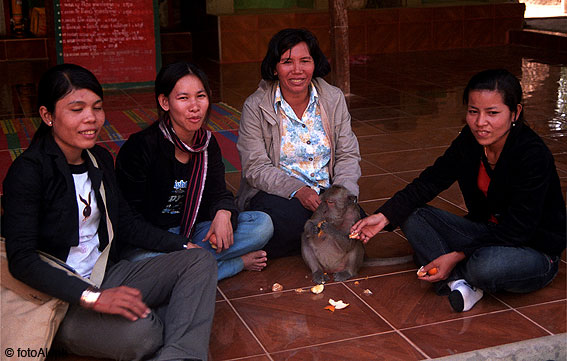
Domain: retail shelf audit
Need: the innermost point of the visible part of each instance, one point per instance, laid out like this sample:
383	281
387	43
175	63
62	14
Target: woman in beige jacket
295	139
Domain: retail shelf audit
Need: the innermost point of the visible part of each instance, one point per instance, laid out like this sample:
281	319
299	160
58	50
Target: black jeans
288	217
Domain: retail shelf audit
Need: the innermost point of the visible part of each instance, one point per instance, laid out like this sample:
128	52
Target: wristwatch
89	297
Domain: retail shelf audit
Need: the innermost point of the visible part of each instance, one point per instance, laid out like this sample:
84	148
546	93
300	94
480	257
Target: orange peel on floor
317	289
276	287
339	305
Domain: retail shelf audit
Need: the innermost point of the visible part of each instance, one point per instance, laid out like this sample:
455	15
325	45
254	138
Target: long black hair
502	81
286	39
170	74
59	81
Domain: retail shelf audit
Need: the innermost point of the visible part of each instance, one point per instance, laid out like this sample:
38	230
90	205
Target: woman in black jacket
514	233
172	173
55	203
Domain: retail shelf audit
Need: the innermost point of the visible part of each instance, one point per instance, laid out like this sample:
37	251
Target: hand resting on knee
124	301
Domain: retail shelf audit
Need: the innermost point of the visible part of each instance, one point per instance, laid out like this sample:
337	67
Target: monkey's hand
311	227
329	228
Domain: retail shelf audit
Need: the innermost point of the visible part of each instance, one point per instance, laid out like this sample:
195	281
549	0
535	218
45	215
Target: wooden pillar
339	45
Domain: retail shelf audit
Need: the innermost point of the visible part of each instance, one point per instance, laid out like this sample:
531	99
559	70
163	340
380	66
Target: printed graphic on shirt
176	198
83	257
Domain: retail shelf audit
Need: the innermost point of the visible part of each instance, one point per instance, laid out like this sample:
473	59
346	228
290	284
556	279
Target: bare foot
255	261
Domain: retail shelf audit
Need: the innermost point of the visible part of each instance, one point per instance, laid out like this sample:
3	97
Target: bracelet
89	297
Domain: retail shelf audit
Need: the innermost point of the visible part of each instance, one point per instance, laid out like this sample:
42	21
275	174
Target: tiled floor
406	108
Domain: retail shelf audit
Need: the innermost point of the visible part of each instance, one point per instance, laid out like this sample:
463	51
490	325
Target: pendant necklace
87	209
487	161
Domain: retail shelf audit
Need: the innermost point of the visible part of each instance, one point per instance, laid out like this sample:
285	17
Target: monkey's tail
387	261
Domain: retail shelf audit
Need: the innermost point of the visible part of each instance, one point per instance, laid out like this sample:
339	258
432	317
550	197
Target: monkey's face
336	199
336	205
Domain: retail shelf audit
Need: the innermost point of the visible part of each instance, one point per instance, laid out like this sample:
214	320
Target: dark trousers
433	232
179	287
288	217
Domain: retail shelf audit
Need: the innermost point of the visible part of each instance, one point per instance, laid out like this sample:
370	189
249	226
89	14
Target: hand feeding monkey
325	243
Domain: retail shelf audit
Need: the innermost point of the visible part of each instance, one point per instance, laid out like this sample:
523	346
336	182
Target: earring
513	124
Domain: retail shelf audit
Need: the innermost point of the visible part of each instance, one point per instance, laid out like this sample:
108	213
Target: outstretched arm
368	227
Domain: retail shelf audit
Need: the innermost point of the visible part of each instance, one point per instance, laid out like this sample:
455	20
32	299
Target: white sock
463	296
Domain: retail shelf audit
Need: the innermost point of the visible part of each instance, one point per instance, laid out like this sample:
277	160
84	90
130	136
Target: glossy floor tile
406	108
287	320
473	333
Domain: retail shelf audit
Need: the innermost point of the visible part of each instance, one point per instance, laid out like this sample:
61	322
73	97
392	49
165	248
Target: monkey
325	243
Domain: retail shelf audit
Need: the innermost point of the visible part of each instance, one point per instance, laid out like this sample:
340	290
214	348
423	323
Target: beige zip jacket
259	143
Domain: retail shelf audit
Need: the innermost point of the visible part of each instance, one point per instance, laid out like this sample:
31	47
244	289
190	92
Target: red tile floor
406	108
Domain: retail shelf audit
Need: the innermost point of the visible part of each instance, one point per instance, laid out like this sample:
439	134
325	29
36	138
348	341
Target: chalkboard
115	39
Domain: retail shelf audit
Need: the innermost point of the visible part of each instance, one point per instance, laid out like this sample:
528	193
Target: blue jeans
253	232
433	232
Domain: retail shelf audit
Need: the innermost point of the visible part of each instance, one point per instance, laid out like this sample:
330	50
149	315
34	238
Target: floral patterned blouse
305	148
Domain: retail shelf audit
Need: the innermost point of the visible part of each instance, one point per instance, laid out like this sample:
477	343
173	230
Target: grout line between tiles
242	358
259	295
246	325
334	342
543	303
389	172
532	321
403	180
222	293
374	200
413	269
515	309
417	348
409	149
457	319
451	203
